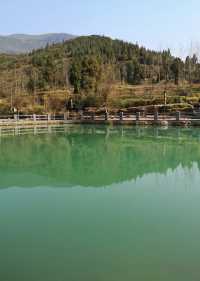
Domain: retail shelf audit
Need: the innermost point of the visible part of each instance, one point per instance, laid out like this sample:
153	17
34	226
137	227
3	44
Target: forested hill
91	65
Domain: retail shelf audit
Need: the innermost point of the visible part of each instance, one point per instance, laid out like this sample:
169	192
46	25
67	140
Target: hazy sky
153	23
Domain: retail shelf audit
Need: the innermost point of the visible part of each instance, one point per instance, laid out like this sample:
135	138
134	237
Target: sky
155	24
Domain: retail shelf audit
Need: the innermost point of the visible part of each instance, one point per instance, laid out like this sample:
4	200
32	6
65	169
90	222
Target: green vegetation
96	71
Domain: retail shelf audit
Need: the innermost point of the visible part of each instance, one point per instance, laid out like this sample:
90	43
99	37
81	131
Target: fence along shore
138	118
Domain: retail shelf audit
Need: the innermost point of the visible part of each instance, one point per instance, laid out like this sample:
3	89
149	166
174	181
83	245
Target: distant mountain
24	43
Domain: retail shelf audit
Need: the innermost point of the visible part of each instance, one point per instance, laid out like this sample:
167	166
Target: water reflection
95	156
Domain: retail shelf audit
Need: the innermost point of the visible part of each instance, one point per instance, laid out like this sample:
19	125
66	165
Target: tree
85	74
91	73
134	72
166	60
176	68
75	75
188	69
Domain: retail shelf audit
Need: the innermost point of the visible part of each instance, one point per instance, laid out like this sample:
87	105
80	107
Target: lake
96	203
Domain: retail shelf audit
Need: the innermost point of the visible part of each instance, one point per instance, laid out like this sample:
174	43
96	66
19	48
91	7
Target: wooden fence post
106	116
81	115
15	117
65	115
156	116
178	116
34	117
121	115
93	116
138	116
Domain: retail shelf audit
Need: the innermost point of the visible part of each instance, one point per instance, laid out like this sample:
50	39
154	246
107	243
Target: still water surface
100	204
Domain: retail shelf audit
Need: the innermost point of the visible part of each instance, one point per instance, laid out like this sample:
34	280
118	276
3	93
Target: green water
100	204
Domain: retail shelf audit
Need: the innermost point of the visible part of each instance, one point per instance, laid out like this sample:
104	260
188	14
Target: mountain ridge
25	43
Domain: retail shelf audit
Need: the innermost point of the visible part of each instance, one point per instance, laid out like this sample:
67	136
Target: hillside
96	71
23	43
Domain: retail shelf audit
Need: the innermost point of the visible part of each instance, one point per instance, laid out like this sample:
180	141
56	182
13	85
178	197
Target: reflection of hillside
89	156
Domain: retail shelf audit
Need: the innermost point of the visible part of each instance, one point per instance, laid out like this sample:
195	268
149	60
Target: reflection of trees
89	156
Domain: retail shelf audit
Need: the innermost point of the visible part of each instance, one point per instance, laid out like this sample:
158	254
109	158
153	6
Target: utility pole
11	99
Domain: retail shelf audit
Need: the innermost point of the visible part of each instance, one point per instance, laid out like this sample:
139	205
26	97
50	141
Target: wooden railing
90	116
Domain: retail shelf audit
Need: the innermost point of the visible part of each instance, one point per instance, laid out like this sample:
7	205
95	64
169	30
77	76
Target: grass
121	96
